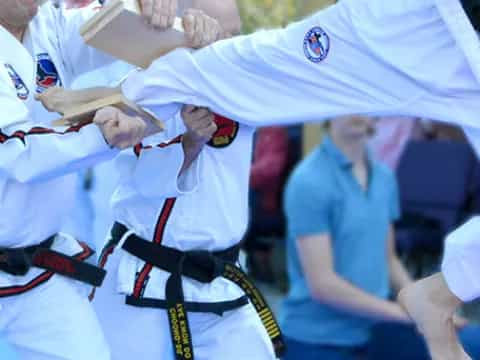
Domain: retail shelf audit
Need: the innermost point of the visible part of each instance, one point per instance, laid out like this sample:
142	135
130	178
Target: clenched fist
200	29
120	130
200	124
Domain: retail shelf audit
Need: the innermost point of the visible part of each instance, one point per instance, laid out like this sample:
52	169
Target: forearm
191	150
399	276
40	154
61	100
225	75
338	293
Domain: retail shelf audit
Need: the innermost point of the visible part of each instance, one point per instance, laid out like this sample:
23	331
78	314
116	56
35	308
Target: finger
140	127
132	129
199	30
105	115
189	27
215	32
187	109
199	113
110	133
147	10
157	13
208	31
164	7
205	121
212	129
172	12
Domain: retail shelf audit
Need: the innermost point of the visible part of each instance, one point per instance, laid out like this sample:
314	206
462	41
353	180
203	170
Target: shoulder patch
316	44
47	74
226	133
20	87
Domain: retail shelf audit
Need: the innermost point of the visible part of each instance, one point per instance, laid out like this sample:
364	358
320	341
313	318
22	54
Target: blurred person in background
267	177
341	205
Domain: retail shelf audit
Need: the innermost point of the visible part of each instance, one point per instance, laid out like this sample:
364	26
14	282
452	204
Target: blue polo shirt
322	196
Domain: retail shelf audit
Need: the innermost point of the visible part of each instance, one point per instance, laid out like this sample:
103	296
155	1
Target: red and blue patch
20	87
316	44
47	74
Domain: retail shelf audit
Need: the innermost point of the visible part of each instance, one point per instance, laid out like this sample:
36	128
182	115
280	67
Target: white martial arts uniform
41	315
409	57
205	209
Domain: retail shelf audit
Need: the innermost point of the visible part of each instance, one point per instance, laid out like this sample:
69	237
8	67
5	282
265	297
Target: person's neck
354	149
16	31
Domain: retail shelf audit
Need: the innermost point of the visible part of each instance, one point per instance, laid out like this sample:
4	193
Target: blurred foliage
264	14
257	14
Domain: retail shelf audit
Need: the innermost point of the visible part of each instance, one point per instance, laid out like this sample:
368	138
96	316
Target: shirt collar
334	152
462	31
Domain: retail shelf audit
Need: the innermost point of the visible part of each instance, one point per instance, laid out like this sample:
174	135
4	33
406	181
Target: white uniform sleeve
461	264
296	74
154	166
30	154
79	58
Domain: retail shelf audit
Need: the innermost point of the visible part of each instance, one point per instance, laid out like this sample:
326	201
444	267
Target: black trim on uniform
218	308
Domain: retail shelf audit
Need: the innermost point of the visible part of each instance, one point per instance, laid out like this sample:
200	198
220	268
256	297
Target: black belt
203	266
19	261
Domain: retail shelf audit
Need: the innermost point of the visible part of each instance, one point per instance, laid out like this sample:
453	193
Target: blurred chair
475	189
434	180
396	342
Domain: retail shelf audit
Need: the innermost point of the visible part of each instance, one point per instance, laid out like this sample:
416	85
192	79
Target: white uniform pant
54	321
461	262
143	333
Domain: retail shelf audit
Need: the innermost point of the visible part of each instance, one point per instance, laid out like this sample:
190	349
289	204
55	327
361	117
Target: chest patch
226	133
47	74
20	87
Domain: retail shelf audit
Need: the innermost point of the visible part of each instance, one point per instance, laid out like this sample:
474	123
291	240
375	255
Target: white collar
16	55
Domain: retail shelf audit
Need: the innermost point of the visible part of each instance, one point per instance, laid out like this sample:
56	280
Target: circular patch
227	131
316	44
47	74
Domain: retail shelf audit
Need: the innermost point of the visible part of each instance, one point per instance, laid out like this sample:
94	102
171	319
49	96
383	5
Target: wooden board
119	30
84	113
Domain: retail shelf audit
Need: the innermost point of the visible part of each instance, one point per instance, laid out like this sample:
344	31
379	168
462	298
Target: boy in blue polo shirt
340	206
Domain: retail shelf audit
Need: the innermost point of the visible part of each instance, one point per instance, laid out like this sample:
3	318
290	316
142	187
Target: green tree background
258	14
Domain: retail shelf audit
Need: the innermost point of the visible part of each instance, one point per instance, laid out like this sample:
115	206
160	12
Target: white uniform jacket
34	193
408	57
206	208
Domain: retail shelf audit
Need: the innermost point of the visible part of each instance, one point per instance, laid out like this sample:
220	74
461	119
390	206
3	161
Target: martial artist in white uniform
203	208
42	315
411	57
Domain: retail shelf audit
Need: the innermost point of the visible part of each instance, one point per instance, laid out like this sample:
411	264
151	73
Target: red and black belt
18	261
203	266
